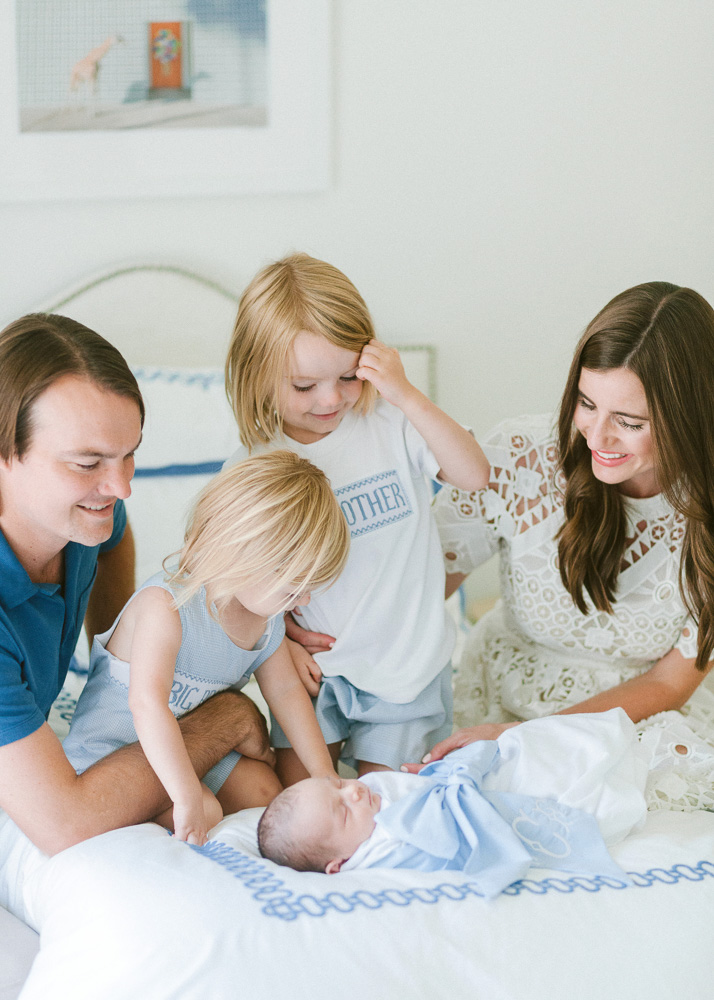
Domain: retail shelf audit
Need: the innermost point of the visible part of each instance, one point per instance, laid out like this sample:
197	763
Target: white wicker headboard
162	314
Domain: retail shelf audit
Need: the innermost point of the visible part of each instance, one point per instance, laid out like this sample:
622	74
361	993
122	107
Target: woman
605	530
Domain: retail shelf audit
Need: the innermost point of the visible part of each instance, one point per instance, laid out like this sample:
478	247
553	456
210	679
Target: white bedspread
136	914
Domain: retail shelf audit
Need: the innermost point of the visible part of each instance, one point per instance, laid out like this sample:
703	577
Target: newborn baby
551	792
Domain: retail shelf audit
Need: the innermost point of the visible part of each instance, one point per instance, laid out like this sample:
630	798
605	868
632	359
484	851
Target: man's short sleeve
20	714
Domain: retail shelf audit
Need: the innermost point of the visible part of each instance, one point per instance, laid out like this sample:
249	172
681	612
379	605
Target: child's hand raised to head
461	460
382	366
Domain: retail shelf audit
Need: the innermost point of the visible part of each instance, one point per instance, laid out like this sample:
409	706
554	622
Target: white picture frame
290	153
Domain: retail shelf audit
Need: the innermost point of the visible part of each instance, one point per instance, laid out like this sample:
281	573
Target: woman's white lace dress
535	653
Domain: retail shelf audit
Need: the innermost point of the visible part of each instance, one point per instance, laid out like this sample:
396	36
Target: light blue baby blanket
449	822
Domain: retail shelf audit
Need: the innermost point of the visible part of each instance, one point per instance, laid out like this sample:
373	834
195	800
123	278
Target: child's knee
264	781
251	783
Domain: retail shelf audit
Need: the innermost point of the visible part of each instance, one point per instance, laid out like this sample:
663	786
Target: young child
262	535
551	792
302	372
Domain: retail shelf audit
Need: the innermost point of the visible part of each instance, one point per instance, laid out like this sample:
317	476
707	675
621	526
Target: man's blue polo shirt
39	628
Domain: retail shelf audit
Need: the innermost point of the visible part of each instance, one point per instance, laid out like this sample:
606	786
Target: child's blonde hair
271	521
294	295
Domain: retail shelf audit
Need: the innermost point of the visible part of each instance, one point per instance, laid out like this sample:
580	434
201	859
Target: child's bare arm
290	704
154	647
307	669
461	459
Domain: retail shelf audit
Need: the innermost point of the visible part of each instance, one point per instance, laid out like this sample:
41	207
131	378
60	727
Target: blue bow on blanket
495	837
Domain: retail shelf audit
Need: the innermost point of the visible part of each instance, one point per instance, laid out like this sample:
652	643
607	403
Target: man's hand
313	642
250	727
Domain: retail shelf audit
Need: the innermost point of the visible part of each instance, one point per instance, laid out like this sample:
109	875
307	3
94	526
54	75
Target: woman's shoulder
516	437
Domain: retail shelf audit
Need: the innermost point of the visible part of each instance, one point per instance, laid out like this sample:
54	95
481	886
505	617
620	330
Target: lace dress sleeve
688	638
471	524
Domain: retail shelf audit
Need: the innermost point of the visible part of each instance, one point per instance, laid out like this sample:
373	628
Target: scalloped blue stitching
389	474
380	524
365	482
281	902
204	380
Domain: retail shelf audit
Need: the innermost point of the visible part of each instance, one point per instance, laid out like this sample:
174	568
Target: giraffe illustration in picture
85	73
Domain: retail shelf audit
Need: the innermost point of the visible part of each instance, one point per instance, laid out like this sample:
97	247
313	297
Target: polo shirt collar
16	586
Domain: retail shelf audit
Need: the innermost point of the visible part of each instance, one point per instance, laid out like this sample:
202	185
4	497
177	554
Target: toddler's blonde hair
294	295
270	521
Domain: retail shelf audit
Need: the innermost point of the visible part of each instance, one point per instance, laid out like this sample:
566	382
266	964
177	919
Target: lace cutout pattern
536	653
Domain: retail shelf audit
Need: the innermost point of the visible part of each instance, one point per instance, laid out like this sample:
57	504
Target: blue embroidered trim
380	524
366	482
388	506
64	705
279	901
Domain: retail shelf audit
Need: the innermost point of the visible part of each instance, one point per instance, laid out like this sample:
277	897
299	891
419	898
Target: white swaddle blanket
591	762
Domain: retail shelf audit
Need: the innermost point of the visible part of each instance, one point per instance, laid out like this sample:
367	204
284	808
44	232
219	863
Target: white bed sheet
135	913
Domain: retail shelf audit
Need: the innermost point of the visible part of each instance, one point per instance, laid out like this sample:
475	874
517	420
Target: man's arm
56	808
113	586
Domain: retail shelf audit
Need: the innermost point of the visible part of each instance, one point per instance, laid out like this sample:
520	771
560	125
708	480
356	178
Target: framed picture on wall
152	98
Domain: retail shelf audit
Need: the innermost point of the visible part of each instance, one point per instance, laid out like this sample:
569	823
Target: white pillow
188	434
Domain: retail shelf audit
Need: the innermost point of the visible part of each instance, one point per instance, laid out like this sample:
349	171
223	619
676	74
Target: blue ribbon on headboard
193	469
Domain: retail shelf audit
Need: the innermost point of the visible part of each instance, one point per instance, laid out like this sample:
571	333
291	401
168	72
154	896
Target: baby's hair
271	521
277	840
294	295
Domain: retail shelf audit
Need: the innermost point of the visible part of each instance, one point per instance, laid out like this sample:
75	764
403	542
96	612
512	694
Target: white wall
501	171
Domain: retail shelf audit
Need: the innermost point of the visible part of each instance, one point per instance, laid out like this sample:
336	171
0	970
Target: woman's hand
307	670
461	738
314	642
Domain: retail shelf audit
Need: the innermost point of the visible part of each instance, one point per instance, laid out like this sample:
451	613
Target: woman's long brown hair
664	335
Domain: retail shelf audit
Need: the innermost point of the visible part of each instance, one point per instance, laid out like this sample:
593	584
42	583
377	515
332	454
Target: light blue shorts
381	732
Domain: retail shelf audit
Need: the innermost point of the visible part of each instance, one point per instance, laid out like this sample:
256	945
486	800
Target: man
71	416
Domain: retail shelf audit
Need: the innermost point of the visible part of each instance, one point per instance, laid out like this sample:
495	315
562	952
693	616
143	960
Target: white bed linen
20	946
134	913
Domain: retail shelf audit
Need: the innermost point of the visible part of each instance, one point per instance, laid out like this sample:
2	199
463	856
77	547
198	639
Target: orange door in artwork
165	54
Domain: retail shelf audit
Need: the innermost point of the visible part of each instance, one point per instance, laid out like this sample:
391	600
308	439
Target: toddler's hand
190	823
307	670
382	366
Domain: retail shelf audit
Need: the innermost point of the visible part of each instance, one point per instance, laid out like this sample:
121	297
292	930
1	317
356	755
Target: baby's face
340	810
